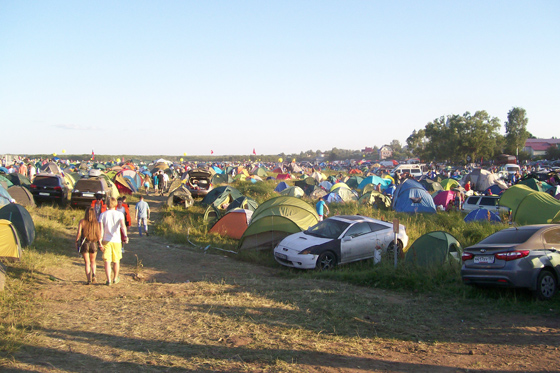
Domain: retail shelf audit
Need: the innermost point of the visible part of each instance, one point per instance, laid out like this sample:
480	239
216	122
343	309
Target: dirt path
202	312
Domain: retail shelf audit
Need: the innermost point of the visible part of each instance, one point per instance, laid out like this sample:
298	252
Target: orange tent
233	224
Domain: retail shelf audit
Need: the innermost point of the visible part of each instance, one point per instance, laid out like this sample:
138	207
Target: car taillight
466	256
57	188
33	186
512	255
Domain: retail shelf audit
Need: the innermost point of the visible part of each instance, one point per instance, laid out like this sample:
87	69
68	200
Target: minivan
414	170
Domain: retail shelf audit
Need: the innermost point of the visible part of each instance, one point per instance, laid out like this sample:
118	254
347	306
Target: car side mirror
347	238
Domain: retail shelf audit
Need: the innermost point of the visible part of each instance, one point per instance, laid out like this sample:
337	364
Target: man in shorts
142	215
112	225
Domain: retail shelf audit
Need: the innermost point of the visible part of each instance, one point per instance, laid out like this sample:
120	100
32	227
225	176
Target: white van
512	168
412	169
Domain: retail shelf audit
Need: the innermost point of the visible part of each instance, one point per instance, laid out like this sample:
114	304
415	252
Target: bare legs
116	269
89	259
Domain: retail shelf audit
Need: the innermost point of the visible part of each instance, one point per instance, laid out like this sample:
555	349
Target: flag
254	152
92	155
211	152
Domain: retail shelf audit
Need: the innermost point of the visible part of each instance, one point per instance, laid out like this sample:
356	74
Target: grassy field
259	315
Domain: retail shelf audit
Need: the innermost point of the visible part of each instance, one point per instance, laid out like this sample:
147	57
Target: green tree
516	130
454	137
552	152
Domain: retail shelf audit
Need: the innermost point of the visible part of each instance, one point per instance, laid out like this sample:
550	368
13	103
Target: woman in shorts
88	241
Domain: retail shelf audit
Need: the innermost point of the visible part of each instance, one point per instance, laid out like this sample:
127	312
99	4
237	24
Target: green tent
262	172
246	203
448	184
221	195
539	186
275	219
6	183
433	249
354	181
377	199
529	206
293	191
222	178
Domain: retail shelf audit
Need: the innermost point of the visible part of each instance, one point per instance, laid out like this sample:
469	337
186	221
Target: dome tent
434	249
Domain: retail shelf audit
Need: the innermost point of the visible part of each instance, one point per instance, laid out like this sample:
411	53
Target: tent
18	179
281	186
222	178
50	168
275	219
374	180
180	196
283	177
434	249
22	221
246	203
305	182
223	195
261	171
448	184
339	185
529	206
10	247
5	197
5	182
345	194
326	185
443	197
315	192
293	191
354	181
534	184
376	199
22	195
318	176
480	215
481	180
411	197
233	224
496	190
430	185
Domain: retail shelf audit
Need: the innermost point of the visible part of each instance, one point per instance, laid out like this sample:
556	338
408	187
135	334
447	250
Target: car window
552	236
377	227
472	200
86	184
330	228
46	181
509	236
357	230
488	201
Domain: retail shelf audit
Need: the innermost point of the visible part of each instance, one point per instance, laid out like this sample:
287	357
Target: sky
190	77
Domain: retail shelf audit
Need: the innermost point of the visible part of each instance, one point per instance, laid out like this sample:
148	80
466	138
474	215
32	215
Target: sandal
93	279
108	283
116	281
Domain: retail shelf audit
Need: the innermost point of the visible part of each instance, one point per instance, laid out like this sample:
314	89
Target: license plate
44	194
87	194
484	259
281	256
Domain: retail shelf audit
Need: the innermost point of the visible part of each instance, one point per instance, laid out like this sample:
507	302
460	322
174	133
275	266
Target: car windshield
330	228
509	236
46	181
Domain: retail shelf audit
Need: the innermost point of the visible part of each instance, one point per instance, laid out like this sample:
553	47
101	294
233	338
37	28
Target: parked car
85	190
49	188
490	203
414	170
338	240
199	182
523	257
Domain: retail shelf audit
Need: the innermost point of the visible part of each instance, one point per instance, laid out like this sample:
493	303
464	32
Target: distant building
385	152
368	150
537	147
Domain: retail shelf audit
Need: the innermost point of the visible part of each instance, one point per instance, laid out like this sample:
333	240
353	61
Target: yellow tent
9	242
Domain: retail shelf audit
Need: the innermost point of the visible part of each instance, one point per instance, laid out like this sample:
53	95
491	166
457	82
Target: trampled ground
201	312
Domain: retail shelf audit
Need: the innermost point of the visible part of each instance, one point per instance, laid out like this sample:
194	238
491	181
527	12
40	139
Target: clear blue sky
173	77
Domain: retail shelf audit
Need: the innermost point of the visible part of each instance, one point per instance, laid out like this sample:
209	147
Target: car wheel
391	249
326	261
546	285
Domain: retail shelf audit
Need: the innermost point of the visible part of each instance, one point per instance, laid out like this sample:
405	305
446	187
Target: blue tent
411	197
281	186
482	215
495	189
218	170
375	180
332	197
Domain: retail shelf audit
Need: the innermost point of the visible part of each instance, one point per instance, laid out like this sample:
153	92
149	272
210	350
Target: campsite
198	295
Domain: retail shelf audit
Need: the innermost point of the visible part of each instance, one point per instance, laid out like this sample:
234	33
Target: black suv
86	189
49	188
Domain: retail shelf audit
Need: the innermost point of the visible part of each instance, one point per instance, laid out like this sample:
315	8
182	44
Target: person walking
321	206
160	182
122	206
142	215
88	241
112	225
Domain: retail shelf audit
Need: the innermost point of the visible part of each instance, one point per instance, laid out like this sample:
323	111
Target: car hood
301	241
